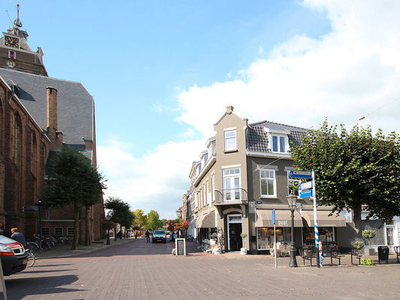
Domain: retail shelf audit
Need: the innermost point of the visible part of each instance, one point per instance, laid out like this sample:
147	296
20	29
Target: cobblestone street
139	270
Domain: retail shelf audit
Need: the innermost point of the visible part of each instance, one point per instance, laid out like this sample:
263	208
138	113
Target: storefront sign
283	224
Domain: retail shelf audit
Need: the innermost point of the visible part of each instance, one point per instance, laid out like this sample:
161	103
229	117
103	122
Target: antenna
9	17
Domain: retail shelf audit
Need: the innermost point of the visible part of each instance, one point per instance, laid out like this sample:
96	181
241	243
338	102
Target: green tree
140	218
163	222
153	220
353	169
121	212
73	181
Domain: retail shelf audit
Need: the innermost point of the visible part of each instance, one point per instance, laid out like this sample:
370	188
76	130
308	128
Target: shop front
205	225
304	229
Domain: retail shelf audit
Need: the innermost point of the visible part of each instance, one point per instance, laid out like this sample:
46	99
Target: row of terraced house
243	175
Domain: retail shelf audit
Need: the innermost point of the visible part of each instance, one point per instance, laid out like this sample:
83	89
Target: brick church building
38	116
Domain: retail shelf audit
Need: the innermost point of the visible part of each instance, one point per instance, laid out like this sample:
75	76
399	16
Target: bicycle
31	257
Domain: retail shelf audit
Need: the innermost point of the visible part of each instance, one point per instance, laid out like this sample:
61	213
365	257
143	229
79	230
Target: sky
162	72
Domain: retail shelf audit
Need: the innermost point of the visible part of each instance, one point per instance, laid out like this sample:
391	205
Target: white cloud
156	181
344	75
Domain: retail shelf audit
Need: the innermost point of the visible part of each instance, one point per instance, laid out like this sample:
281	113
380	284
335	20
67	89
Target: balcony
231	196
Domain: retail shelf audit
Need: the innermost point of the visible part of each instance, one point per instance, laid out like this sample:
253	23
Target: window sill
268	197
231	151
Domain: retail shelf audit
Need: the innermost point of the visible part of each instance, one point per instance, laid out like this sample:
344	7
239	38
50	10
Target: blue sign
305	194
259	202
273	216
300	174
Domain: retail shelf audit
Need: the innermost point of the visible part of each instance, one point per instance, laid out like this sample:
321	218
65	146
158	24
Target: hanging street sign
300	174
305	194
305	186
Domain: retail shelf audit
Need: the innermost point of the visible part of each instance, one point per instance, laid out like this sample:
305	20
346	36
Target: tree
72	181
121	212
153	220
140	218
353	169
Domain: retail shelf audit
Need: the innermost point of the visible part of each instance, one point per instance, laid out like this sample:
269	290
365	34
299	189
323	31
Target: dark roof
75	106
257	139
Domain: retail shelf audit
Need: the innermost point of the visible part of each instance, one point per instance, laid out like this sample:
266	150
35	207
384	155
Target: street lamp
179	212
108	218
292	205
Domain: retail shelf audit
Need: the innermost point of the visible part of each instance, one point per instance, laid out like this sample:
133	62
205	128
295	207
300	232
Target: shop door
235	241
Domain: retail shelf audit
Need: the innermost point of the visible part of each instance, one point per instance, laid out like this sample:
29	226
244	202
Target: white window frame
213	187
229	139
268	178
279	141
70	231
232	176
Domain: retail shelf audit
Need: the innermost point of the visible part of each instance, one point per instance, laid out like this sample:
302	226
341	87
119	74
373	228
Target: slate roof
75	106
257	139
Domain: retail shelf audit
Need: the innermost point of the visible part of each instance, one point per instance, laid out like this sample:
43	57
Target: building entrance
234	231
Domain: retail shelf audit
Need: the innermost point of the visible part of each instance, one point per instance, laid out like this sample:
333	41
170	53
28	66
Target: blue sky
162	72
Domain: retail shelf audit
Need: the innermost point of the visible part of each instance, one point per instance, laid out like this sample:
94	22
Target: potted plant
367	235
243	250
358	244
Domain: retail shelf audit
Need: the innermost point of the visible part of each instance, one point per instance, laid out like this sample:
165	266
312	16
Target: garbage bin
383	253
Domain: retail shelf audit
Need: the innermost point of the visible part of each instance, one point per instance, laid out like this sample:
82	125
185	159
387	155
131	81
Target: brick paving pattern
134	269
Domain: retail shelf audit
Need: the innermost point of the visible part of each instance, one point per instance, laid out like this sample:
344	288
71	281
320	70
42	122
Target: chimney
51	108
229	109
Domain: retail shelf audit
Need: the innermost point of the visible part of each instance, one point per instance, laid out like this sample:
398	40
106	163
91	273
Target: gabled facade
236	188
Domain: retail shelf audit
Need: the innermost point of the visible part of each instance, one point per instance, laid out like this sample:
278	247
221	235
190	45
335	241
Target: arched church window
16	138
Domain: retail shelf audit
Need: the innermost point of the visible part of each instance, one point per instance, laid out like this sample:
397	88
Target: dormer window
230	140
278	143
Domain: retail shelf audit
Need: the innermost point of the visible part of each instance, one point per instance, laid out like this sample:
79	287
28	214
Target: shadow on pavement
19	288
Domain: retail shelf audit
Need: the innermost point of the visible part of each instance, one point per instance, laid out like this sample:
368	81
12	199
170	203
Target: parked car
159	236
13	256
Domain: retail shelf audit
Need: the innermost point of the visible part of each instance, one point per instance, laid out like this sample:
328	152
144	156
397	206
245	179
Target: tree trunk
88	237
76	227
357	218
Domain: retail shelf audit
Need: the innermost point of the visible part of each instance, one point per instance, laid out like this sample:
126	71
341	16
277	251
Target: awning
324	219
206	221
283	218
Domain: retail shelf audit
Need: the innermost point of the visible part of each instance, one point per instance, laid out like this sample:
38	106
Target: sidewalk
65	250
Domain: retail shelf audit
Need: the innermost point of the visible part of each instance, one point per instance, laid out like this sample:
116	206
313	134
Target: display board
180	246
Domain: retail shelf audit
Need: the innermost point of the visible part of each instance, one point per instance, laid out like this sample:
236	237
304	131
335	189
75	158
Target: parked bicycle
31	257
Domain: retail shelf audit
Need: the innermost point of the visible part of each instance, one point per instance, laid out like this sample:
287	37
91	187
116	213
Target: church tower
15	52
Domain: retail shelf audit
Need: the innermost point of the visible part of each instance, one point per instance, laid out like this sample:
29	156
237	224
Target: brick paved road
137	270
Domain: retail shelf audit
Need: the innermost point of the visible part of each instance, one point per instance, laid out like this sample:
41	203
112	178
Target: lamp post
179	215
292	205
108	218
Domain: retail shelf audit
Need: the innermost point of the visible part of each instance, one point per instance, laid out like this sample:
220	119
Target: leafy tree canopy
121	212
140	218
153	220
353	169
72	181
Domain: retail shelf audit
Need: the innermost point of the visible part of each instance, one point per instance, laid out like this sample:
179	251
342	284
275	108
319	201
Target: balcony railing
230	196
